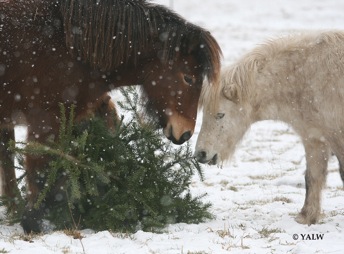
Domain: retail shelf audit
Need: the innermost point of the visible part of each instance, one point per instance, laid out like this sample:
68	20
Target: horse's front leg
32	216
9	188
36	172
317	154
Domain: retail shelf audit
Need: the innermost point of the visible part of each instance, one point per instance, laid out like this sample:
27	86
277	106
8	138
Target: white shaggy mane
242	74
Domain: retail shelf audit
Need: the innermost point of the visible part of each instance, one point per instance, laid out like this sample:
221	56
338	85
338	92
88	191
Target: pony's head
226	116
230	107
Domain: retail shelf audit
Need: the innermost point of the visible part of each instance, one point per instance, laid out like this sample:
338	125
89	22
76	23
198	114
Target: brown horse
75	51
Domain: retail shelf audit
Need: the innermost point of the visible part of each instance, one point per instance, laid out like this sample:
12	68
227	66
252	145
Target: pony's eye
219	116
188	79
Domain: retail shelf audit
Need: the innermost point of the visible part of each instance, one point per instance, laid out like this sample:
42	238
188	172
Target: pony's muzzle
202	157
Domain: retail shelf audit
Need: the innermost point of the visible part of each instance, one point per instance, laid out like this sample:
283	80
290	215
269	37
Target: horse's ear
230	92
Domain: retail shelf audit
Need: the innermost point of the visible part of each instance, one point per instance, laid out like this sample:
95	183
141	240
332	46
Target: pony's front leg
317	154
341	171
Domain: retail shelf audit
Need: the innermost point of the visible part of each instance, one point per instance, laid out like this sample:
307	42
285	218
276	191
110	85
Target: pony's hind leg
341	170
317	154
9	188
337	146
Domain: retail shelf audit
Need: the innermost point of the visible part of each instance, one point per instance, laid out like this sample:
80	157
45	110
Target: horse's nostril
186	136
201	156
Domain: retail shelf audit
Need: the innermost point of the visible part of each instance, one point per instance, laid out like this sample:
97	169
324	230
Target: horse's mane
110	33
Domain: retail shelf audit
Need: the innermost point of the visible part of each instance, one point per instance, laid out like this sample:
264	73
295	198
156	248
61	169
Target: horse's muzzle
201	156
185	137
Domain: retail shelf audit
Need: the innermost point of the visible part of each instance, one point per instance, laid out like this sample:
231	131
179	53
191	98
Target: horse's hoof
32	221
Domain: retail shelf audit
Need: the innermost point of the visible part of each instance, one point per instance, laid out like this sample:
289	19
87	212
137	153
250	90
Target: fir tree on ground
126	179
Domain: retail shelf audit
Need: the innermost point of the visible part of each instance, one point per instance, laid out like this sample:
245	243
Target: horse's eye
219	116
188	79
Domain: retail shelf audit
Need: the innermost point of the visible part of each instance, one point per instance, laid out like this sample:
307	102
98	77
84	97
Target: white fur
299	80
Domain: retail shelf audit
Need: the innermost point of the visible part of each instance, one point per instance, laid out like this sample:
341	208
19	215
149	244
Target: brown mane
129	29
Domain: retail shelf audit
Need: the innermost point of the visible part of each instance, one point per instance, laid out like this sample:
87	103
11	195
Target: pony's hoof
302	219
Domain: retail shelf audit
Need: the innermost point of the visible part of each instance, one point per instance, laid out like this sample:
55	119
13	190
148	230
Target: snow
258	193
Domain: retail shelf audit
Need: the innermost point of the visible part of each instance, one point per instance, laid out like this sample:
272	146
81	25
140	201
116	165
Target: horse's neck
134	74
126	76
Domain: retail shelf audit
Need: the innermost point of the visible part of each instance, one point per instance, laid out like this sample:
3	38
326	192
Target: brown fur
75	51
298	80
104	108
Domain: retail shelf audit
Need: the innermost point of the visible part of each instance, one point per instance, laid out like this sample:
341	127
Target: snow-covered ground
256	196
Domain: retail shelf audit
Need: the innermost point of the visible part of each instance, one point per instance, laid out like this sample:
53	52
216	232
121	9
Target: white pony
298	80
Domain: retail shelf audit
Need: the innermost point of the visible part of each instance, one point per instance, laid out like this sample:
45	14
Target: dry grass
76	234
267	177
282	199
266	232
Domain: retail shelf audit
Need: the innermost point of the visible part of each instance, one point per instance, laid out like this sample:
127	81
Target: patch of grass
282	199
224	233
259	202
76	234
335	213
233	188
262	202
123	235
66	250
256	159
242	245
224	183
28	237
4	251
208	184
266	177
266	232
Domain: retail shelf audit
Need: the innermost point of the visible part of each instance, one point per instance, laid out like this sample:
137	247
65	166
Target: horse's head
173	91
173	81
146	44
